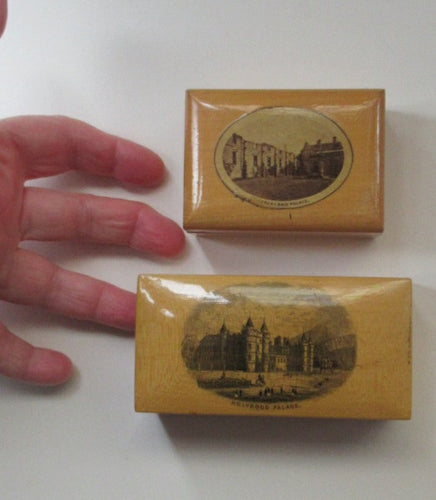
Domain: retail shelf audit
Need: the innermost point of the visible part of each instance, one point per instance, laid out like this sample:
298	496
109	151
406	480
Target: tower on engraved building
307	354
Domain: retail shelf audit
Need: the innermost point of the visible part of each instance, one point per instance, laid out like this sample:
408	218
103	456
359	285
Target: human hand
32	147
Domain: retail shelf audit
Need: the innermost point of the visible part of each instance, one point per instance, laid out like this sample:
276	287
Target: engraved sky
288	311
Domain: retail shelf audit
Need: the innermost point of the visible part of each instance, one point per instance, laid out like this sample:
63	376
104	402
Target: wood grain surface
270	181
274	346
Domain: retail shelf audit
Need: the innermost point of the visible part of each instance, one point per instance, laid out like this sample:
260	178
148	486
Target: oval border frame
282	204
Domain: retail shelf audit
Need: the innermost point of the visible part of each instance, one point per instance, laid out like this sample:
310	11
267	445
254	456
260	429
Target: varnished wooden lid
284	160
274	346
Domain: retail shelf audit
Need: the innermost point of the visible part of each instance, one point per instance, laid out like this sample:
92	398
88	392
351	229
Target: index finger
50	145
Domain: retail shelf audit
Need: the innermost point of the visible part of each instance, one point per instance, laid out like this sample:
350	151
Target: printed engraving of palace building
254	350
245	159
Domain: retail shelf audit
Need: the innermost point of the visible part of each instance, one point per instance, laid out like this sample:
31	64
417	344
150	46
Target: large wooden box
284	160
274	346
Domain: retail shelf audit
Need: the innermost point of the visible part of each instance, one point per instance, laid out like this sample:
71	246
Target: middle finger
50	215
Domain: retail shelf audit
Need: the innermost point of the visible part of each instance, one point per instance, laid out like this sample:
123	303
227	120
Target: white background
124	66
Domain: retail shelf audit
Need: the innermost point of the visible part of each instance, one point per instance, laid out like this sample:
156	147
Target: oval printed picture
269	342
283	157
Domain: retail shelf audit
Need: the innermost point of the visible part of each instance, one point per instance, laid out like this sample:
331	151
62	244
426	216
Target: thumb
3	15
22	361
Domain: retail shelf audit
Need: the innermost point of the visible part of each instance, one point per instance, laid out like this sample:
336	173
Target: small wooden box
284	160
274	346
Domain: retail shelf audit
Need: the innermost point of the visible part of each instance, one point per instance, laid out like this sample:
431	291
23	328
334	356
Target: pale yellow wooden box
274	346
284	160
